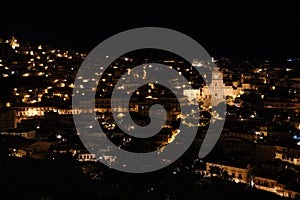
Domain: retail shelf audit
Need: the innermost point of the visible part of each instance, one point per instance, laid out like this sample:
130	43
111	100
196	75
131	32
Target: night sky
245	32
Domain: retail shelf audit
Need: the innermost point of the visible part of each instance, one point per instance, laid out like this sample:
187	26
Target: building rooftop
228	162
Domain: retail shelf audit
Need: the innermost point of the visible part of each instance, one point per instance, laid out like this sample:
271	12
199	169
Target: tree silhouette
216	171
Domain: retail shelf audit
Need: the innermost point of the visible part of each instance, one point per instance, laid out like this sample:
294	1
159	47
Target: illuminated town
258	154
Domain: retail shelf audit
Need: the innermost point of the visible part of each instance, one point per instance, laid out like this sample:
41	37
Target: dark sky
243	31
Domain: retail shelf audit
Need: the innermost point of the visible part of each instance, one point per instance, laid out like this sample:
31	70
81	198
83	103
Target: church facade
214	93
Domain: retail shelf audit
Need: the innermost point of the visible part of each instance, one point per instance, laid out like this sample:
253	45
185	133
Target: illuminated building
239	172
85	157
28	134
288	153
217	88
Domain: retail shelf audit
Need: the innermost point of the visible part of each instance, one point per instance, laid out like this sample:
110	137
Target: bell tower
217	87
